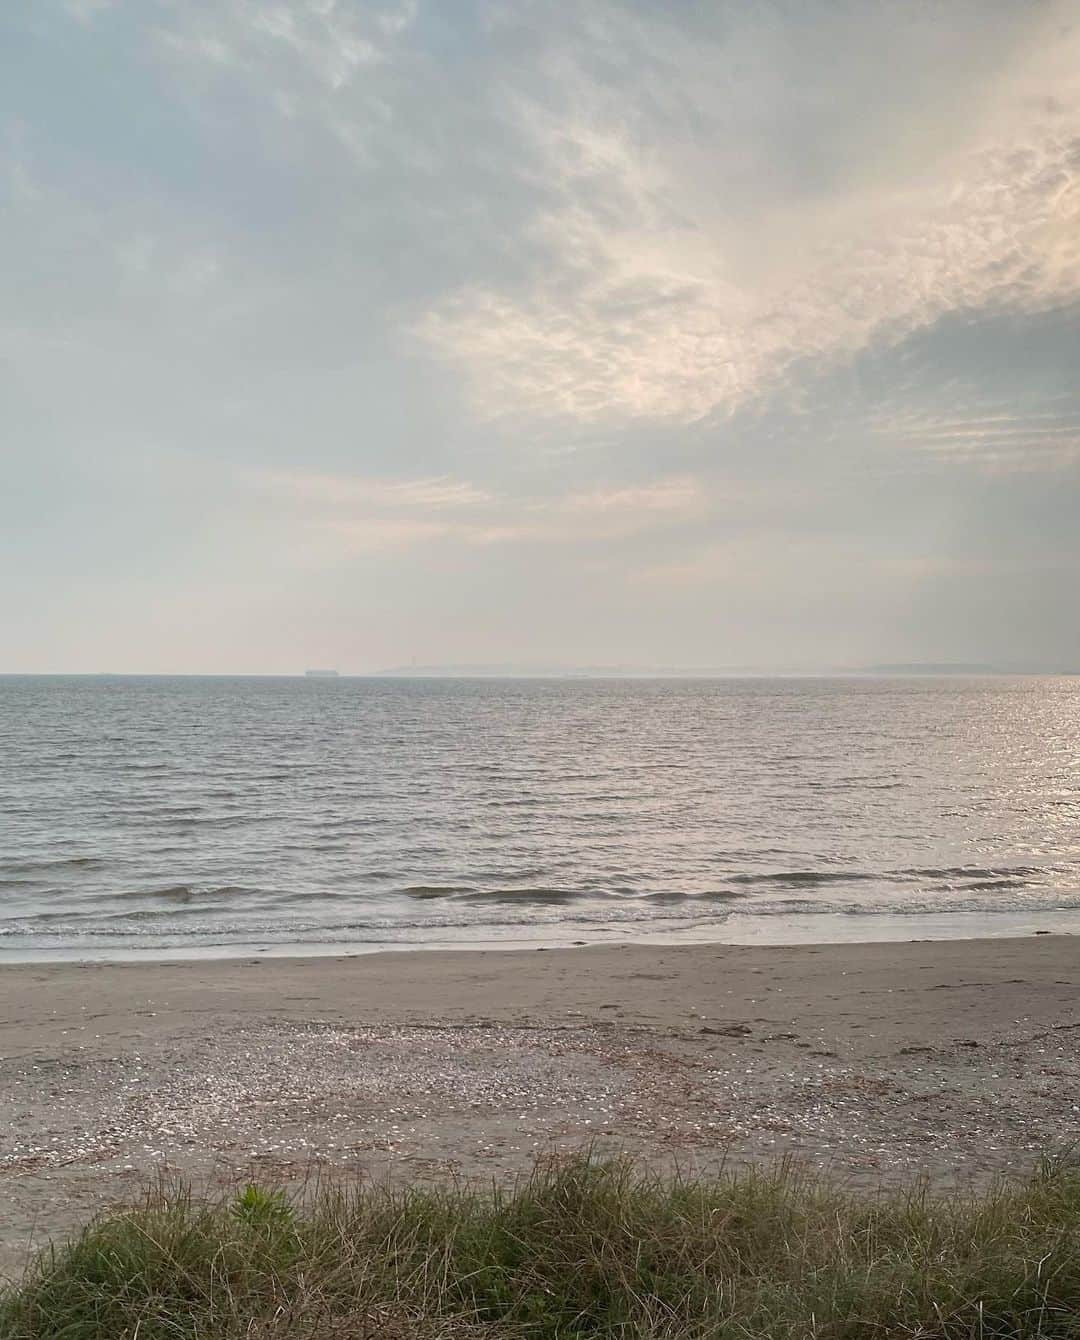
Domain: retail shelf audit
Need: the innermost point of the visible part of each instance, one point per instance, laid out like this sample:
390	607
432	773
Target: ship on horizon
321	674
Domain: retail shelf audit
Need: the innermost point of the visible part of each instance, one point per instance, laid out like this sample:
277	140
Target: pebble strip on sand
458	1097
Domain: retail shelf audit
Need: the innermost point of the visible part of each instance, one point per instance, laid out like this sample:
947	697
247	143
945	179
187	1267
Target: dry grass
582	1248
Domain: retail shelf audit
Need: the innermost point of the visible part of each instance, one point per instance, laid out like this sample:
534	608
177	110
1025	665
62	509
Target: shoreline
955	1059
736	930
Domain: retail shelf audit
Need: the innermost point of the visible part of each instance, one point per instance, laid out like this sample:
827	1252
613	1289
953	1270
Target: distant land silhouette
931	668
509	670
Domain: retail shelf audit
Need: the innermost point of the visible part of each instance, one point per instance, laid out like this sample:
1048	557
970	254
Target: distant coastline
897	670
554	671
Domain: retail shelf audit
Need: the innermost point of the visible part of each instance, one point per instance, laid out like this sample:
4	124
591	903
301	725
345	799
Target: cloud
326	43
85	11
332	515
425	495
1000	443
681	496
656	297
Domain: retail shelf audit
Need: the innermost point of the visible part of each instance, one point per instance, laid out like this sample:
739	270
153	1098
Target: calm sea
219	815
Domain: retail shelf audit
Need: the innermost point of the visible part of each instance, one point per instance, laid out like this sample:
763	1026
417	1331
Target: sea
154	817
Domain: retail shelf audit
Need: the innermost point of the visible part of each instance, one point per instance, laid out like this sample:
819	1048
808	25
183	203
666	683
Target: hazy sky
499	331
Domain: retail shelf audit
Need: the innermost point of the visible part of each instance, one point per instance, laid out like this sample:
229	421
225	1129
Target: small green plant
260	1209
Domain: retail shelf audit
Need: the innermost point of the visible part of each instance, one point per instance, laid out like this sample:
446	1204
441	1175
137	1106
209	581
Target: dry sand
960	1059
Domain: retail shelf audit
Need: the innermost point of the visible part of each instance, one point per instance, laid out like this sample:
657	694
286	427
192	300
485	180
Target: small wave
809	878
184	893
674	897
973	872
53	864
424	891
185	822
988	877
148	926
538	897
543	896
999	884
626	897
174	811
175	892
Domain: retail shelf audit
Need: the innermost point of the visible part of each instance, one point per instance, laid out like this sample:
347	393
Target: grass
581	1249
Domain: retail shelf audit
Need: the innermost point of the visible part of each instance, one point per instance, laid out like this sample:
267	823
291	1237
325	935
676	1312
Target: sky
468	332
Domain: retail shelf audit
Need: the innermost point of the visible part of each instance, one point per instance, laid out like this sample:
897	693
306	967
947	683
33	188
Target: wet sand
959	1059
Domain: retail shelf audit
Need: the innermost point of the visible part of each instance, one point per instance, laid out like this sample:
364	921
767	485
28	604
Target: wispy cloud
85	11
428	495
302	52
654	298
370	514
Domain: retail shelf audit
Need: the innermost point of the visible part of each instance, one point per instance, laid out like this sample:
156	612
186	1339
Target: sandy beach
878	1061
